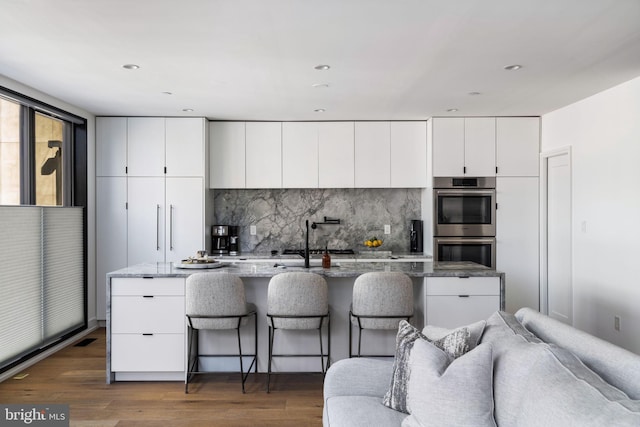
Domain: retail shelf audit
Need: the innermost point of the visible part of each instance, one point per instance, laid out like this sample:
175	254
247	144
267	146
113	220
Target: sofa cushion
501	324
562	391
434	333
446	391
359	411
617	366
358	377
454	344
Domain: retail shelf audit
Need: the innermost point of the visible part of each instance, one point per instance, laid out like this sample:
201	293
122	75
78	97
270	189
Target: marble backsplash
279	216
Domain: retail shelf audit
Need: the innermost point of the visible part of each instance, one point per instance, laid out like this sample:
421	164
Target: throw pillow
434	333
442	391
455	345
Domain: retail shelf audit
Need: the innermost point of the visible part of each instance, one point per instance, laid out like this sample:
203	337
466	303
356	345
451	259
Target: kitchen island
146	325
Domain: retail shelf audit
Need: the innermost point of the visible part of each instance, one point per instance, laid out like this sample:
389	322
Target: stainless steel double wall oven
465	219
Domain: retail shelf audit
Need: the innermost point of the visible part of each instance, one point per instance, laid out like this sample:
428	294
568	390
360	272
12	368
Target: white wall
604	133
91	255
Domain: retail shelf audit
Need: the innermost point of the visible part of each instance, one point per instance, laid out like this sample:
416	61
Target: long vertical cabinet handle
157	227
170	227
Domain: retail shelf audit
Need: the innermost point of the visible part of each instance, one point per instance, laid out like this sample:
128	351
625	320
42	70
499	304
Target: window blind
41	277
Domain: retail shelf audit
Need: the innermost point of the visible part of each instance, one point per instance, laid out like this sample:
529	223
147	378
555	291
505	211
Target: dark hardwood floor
76	376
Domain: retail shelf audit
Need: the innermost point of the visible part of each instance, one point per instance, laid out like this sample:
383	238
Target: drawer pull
463	277
147	277
147	296
147	335
463	296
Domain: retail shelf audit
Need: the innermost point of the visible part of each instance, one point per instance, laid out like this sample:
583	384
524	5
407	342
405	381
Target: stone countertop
361	256
338	269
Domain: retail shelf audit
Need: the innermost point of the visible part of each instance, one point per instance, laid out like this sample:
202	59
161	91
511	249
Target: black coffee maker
415	236
220	240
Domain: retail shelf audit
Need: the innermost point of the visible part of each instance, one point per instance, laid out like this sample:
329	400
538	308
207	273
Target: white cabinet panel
517	240
227	154
142	314
184	146
147	353
408	154
518	146
448	146
111	233
300	155
263	155
184	204
111	146
455	311
336	155
145	229
372	151
146	148
463	286
147	286
480	146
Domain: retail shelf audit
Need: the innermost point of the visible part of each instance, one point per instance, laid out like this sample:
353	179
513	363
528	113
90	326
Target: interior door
557	260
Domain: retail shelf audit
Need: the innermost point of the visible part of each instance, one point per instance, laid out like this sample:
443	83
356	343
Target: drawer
147	353
453	311
148	286
139	314
463	286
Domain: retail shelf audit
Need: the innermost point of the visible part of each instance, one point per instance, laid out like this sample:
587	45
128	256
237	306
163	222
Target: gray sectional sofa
524	370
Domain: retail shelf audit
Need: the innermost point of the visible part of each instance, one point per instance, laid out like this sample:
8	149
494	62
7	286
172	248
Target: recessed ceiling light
187	110
513	67
474	93
167	93
131	66
452	110
322	67
319	110
320	85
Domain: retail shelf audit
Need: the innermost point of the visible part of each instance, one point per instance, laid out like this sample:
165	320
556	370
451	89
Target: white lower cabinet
147	334
457	301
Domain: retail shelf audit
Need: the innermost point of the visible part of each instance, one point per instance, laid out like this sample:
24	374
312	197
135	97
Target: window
9	152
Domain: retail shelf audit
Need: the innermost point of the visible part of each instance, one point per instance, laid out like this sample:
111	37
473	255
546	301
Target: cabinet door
184	231
145	228
185	146
517	240
480	146
227	155
300	155
145	149
147	353
408	154
336	155
264	155
452	311
372	151
111	233
448	146
111	146
518	146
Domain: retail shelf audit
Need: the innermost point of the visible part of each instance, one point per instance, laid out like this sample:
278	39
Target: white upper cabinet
145	138
448	146
518	146
408	154
263	155
480	146
185	146
300	155
227	155
111	146
336	155
372	151
464	146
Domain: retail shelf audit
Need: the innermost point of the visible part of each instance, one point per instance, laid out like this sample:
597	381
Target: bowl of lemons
373	243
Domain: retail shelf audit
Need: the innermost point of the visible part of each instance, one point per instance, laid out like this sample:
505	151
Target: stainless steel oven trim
470	230
466	241
478	182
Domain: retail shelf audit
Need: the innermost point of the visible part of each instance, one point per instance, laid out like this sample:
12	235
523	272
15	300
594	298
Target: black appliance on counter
219	240
234	240
416	236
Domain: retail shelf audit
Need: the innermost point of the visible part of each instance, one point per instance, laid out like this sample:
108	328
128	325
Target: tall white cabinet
152	200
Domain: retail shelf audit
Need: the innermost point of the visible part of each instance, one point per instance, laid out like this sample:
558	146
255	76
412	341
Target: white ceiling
255	59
